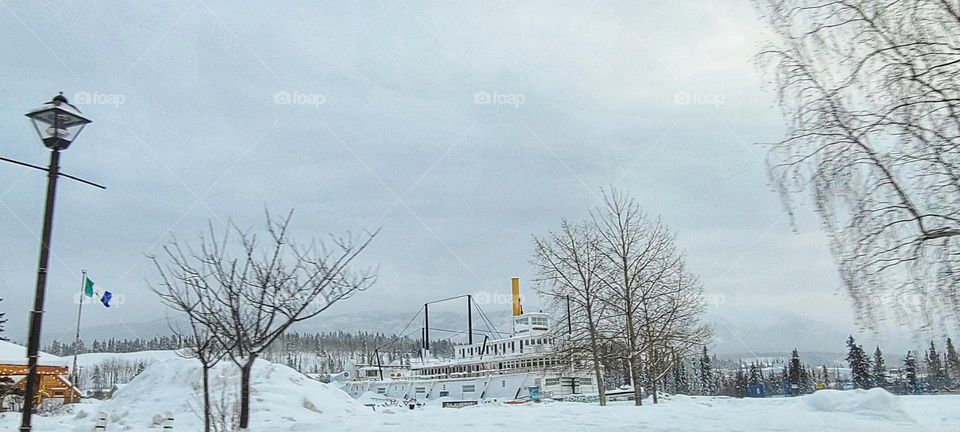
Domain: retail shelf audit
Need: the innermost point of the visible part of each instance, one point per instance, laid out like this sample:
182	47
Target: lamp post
58	124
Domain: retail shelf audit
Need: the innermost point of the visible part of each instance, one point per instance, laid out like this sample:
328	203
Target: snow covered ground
284	400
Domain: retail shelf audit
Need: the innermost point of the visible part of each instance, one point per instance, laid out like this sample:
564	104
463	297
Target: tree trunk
597	365
598	373
653	385
635	377
245	392
634	362
206	398
654	375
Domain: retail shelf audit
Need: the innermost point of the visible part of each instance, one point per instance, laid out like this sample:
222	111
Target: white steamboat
521	367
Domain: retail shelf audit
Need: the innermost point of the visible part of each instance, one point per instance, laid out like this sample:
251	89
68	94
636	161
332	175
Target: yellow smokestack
517	309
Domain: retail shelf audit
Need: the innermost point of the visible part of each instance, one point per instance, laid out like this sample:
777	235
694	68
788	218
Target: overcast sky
460	129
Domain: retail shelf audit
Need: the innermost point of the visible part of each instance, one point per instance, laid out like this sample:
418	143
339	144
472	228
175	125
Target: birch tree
629	245
871	97
670	312
654	303
570	264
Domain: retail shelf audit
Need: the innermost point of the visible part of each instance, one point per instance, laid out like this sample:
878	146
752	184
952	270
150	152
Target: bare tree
182	291
669	316
656	304
253	291
871	95
570	263
631	246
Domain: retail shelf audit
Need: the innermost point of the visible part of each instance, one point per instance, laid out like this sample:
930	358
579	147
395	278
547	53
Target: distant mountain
733	339
831	359
443	325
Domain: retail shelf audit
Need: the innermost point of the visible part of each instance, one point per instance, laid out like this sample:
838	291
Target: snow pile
280	397
875	402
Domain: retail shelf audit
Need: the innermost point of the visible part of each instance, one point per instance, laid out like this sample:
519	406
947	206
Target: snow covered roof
11	353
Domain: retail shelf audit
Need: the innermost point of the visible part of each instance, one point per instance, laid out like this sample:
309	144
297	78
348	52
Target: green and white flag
87	287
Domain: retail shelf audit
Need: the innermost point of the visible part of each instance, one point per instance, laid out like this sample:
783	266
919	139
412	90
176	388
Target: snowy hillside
281	398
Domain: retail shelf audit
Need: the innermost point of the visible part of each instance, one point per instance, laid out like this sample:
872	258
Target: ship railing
485	373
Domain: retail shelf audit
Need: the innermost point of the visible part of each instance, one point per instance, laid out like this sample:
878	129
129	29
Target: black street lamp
58	124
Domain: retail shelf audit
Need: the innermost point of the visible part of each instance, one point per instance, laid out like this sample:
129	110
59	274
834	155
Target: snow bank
147	357
280	397
874	402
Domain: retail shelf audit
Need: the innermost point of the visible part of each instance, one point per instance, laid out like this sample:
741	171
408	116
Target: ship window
586	381
381	390
421	390
503	383
444	394
551	381
538	321
469	388
522	321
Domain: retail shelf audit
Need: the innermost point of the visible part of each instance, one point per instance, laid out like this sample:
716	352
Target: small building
115	389
53	383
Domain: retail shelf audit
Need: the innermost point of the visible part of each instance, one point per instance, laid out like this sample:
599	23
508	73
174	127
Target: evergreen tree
794	372
708	384
740	383
910	372
859	364
680	383
3	321
756	375
935	373
879	369
953	361
826	376
806	380
99	382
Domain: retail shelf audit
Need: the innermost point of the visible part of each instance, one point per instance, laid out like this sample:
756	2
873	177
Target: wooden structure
53	383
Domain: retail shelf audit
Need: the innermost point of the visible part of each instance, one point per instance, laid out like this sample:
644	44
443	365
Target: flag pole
76	342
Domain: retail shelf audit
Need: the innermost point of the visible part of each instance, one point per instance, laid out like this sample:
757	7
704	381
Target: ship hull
500	387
